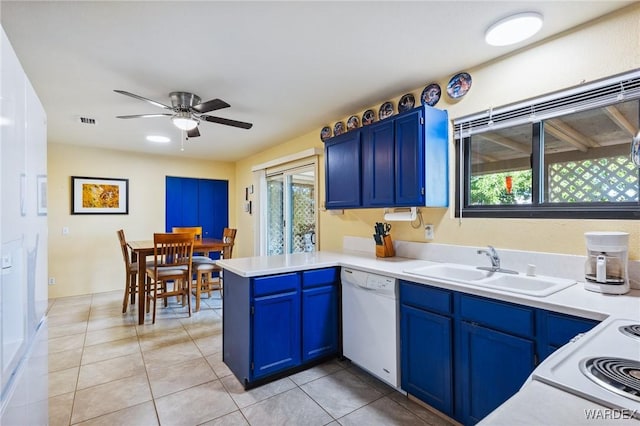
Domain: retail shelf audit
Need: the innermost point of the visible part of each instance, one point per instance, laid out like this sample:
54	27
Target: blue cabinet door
409	159
491	367
342	171
319	322
378	165
426	357
276	333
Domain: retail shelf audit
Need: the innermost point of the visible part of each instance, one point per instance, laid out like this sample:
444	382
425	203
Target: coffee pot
606	264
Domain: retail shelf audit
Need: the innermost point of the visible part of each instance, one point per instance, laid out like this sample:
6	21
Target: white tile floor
106	370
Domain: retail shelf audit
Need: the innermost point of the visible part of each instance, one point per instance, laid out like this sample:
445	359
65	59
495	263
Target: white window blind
608	91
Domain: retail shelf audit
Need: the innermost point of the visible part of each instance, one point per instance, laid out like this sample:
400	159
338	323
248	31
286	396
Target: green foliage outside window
491	189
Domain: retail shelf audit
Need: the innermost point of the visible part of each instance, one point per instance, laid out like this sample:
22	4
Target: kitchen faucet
495	261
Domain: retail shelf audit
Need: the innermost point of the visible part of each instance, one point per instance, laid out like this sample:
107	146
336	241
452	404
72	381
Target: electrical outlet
52	281
429	232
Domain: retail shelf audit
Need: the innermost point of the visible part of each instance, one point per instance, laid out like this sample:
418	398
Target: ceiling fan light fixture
184	121
513	29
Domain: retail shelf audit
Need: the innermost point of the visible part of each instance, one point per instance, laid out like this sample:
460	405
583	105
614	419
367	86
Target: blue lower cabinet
276	324
319	322
557	329
491	367
426	357
276	333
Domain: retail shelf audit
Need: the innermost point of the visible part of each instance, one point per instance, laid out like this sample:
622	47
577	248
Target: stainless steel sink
539	286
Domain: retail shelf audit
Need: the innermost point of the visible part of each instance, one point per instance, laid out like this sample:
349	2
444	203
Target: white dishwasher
369	323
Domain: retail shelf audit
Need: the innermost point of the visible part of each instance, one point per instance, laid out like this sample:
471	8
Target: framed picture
41	196
99	195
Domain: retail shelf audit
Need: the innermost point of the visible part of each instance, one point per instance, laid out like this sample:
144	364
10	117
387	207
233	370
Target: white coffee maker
606	265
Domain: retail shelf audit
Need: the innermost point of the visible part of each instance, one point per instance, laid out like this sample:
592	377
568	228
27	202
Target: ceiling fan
187	111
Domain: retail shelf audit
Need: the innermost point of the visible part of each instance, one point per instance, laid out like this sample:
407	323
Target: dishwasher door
369	323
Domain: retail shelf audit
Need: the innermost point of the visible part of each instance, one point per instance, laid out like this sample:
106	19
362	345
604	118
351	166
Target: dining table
143	248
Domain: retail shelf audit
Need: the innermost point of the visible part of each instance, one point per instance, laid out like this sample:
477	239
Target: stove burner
618	375
632	330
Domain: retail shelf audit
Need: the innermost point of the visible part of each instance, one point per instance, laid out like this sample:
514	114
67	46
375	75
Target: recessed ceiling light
158	139
513	29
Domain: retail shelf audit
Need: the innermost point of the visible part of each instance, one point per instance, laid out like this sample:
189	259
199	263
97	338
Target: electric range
602	366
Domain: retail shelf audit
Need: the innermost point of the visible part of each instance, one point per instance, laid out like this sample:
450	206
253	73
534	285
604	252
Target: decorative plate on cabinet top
459	85
353	122
338	129
386	110
406	103
325	133
431	94
368	117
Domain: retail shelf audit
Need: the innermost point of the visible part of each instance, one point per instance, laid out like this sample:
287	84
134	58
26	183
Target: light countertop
536	403
574	300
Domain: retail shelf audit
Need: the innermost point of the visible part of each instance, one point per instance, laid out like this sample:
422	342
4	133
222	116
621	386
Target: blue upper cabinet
342	171
378	168
403	160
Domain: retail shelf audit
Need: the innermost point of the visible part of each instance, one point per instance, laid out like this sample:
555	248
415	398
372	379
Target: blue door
319	322
378	169
409	159
276	333
342	171
197	202
426	357
493	366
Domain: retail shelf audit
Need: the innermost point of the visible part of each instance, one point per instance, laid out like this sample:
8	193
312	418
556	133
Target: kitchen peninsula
571	302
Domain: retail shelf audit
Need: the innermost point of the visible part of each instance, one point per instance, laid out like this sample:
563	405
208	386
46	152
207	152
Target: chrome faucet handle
493	256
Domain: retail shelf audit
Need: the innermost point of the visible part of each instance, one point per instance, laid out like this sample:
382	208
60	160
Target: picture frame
96	195
41	194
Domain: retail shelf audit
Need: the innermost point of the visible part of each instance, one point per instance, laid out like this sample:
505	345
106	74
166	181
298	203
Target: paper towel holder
401	214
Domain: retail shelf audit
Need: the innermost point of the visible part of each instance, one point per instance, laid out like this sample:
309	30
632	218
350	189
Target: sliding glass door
291	211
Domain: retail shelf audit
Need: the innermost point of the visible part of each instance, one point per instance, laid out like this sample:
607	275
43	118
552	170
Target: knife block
386	249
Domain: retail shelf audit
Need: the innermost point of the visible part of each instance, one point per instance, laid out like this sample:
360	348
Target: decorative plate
338	129
353	122
386	110
406	103
459	85
431	94
368	117
325	133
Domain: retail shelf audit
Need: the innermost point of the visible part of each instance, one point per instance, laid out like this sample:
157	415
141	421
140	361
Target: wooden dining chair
131	272
172	256
205	269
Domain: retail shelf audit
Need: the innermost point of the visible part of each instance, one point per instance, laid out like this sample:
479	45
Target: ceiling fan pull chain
182	137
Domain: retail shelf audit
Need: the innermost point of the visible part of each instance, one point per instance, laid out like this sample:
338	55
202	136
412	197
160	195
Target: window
563	155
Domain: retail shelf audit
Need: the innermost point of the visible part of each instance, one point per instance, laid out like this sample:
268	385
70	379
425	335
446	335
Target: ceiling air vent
87	120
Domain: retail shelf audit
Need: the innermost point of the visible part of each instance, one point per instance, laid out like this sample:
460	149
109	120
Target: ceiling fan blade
211	105
158	104
144	115
193	133
226	121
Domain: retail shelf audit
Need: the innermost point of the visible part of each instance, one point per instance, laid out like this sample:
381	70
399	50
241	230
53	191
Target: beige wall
88	259
605	47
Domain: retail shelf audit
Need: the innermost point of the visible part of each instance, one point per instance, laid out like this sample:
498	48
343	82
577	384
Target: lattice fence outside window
608	179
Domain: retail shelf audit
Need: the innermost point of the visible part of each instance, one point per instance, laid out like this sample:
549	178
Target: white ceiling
287	67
